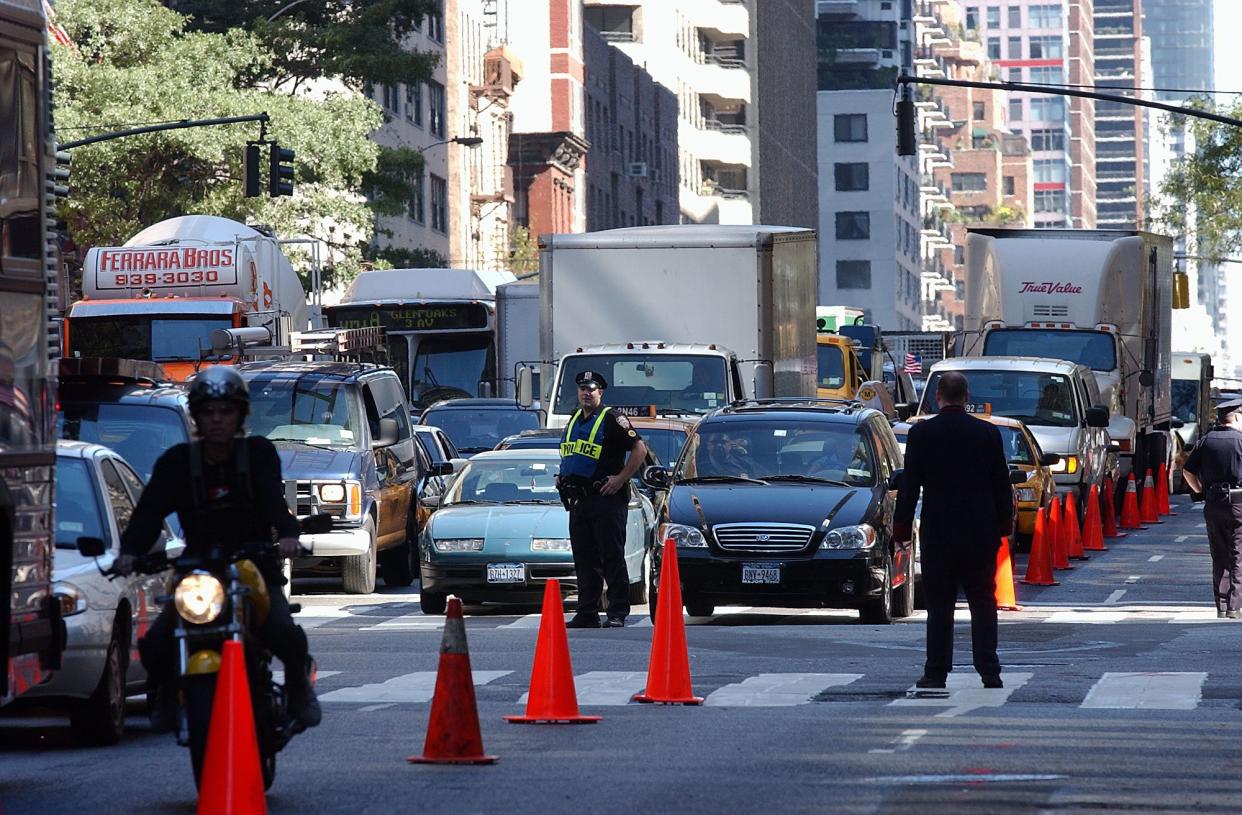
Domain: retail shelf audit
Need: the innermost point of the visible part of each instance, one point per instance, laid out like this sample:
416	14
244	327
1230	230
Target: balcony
837	7
727	81
708	140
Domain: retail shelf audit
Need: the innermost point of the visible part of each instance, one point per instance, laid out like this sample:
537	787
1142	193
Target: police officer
1215	469
594	482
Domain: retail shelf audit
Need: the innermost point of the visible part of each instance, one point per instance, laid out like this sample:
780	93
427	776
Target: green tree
420	258
134	61
523	251
1207	183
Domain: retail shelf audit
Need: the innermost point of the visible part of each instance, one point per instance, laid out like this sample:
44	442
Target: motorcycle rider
225	487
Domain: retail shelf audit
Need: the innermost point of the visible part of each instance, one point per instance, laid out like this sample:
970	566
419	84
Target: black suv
345	441
787	503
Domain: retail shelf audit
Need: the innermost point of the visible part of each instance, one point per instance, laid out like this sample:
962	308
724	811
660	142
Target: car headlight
332	493
199	598
457	544
683	536
1068	465
72	600
1025	493
861	536
549	545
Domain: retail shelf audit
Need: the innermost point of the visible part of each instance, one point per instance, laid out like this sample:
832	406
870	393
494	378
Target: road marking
1114	597
605	688
279	676
412	687
963	693
1180	539
1206	615
372	708
1147	691
1086	616
528	621
408	622
777	690
905	741
964	778
1155	558
1134	578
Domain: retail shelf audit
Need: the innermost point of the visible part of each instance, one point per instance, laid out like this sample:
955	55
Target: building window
850	126
1049	200
853	226
414	103
1048	108
853	274
1049	170
1013	74
994	51
978	111
851	177
993	16
614	23
1047	16
439	204
972	18
435	25
1015	48
391	100
1015	16
1048	76
969	182
435	112
1008	185
416	206
1045	47
1047	139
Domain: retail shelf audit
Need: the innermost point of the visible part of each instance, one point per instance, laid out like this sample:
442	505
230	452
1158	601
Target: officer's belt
1223	491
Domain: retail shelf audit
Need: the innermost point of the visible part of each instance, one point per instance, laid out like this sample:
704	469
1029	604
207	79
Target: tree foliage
135	61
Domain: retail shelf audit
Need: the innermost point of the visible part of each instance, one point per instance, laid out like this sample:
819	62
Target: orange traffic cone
552	698
1060	540
453	729
1006	597
668	672
1070	519
1147	506
232	780
1092	529
1129	509
1109	520
1162	491
1039	563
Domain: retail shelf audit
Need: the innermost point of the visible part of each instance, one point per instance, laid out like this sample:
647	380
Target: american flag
914	364
58	34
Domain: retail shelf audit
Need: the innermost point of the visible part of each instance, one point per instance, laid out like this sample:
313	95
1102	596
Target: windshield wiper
534	501
719	479
471	501
303	443
807	478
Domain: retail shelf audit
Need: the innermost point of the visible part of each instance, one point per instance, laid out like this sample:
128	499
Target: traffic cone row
1129	507
1148	509
1039	564
1092	528
1069	516
1162	491
1110	513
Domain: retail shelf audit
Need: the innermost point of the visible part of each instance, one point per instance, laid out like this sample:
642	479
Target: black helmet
219	383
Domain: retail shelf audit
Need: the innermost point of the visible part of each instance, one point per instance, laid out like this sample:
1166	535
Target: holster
571	493
1224	494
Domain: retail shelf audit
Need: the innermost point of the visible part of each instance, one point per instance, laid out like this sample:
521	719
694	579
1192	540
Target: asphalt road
1122	693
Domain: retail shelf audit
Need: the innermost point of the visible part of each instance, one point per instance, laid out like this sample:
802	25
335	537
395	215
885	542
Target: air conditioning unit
636	169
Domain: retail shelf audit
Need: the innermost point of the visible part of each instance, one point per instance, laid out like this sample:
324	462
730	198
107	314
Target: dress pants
973	570
597	537
1224	530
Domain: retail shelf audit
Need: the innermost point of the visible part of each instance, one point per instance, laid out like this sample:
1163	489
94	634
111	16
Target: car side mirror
388	430
92	547
317	524
525	387
174	548
656	477
894	480
1097	416
1017	477
443	468
1049	460
1176	423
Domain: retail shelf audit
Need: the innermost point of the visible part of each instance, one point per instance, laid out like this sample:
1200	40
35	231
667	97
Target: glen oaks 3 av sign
1031	287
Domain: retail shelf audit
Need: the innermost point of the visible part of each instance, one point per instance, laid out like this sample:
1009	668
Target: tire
880	610
903	596
432	602
100	719
199	693
639	590
398	565
699	608
358	571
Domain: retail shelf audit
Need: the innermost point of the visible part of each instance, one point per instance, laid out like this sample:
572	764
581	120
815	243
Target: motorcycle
222	596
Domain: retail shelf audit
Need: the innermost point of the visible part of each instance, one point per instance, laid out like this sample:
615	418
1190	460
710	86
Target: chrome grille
763	537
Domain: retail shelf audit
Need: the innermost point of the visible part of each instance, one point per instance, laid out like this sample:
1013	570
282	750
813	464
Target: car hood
501	522
776	503
298	462
1059	440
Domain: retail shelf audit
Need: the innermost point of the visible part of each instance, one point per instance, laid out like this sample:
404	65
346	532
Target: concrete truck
161	295
1102	298
678	319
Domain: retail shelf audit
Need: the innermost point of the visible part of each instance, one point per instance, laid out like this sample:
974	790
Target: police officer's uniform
593	448
1217	462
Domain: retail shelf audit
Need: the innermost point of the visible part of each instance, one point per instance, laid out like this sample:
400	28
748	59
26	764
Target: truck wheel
699	608
358	571
880	610
100	720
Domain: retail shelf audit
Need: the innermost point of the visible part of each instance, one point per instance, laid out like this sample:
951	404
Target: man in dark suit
958	463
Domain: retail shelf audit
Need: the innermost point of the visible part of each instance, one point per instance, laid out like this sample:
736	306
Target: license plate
506	573
761	573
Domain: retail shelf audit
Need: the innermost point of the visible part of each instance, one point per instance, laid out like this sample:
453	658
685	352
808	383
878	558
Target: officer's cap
1225	408
590	379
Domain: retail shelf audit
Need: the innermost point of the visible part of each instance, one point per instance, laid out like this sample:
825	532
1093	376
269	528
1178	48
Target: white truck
678	319
1101	298
517	331
161	295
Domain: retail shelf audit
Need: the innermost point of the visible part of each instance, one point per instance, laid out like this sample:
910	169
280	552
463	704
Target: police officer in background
1214	468
594	482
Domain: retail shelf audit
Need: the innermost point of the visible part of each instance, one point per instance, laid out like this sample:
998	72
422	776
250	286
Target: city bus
32	634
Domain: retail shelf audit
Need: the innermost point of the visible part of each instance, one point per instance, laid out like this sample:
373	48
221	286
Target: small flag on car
914	364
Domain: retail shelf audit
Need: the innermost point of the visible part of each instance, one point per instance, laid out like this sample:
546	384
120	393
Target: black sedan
787	505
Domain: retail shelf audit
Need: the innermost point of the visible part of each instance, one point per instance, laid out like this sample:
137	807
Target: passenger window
114	487
132	481
399	410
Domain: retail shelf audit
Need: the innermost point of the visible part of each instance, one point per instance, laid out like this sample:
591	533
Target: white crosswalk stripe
1158	690
605	688
964	693
412	687
777	690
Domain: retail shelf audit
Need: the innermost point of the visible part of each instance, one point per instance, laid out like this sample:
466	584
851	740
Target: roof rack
339	342
800	401
127	371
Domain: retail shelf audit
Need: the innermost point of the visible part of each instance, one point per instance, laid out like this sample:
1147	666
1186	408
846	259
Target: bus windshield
163	339
1095	349
672	382
451	366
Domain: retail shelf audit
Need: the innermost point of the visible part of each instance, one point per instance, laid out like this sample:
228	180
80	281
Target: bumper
1026	517
843	581
82	663
338	542
469	580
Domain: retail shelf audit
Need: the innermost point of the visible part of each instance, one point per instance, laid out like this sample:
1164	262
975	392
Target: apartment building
1119	127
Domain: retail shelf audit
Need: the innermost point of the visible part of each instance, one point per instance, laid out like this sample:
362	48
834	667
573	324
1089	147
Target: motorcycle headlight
850	537
684	537
549	545
457	544
72	600
199	598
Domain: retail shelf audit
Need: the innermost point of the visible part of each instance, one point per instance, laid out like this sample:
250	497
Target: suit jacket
958	463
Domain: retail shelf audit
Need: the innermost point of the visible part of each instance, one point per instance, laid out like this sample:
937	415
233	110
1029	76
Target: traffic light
907	132
253	182
280	167
60	175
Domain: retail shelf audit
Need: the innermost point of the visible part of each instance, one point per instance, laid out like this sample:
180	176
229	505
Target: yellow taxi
1023	453
839	373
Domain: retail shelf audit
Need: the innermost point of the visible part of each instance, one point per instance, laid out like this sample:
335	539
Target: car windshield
764	450
1044	399
160	340
666	443
139	433
1186	399
831	366
505	481
78	512
307	410
474	430
1095	349
676	382
1017	448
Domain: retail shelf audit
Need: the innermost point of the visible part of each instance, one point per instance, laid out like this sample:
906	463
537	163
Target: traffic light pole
182	125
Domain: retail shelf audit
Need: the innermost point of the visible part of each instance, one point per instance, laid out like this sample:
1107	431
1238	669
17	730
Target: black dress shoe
928	681
991	680
583	621
1234	615
615	622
